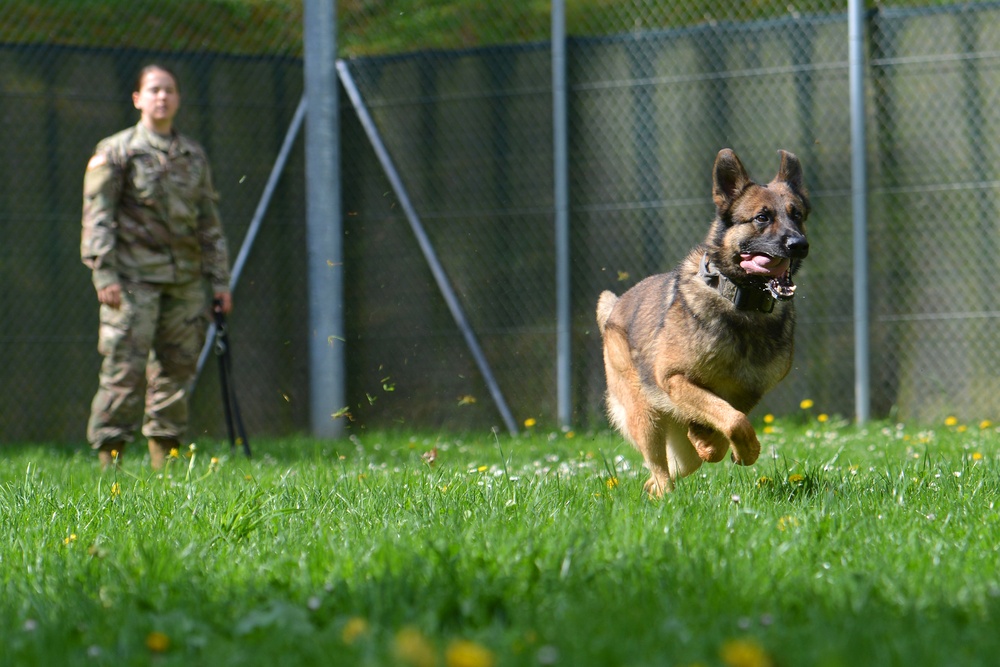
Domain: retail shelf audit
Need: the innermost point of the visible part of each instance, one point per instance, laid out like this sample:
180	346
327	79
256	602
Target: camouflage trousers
151	345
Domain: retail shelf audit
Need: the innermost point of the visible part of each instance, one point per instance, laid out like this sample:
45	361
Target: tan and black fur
690	352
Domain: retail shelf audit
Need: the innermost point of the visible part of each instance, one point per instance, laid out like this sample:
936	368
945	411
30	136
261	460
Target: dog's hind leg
629	411
632	415
653	444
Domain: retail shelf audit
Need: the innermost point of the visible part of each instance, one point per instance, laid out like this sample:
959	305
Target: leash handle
231	407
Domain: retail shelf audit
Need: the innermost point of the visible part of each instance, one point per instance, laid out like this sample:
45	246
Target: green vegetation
366	26
230	26
841	546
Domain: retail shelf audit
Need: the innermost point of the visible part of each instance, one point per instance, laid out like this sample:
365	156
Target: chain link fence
67	71
461	95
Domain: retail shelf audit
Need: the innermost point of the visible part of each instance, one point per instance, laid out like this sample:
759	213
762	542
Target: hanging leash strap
231	406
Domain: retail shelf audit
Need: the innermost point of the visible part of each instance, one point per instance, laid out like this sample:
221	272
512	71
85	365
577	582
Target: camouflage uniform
151	225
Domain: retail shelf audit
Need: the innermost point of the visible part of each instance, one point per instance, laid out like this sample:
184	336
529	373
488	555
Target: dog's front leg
700	406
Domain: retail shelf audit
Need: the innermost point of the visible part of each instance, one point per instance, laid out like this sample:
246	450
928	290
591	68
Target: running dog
689	353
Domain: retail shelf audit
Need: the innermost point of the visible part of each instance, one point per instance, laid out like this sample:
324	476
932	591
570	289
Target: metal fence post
859	208
560	159
323	221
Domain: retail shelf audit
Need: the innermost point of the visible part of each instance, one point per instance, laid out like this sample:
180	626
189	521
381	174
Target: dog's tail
605	304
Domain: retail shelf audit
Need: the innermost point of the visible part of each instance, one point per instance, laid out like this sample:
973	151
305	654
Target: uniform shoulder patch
97	160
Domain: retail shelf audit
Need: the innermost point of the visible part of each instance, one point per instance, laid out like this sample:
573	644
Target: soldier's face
158	98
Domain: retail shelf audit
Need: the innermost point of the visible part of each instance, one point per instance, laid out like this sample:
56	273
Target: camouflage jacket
149	212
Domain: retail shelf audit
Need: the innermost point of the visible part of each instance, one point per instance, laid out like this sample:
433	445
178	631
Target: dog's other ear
729	179
791	172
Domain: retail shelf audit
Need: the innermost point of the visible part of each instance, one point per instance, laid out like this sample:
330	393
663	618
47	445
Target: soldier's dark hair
155	66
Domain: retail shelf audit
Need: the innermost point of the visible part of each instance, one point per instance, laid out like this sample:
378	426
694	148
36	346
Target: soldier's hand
223	302
111	295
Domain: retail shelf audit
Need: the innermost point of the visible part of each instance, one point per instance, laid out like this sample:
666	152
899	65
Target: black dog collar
745	299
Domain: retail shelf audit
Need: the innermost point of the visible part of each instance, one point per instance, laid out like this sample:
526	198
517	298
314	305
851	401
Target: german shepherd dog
688	353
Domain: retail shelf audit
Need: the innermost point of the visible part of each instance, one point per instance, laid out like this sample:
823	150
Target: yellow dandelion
412	648
763	481
823	418
354	629
806	403
466	400
214	461
529	422
175	453
950	420
70	538
985	424
744	653
977	456
483	468
116	490
769	418
157	642
570	434
796	478
962	429
768	429
611	482
463	653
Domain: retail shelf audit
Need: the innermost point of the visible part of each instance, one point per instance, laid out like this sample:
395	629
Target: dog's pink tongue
764	264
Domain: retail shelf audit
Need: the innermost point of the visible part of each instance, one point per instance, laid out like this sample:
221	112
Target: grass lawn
841	546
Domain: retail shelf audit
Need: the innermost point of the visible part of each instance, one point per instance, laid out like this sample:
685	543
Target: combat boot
159	450
110	454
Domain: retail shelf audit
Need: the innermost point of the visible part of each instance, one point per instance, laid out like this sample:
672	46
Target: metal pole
323	221
425	244
258	219
859	208
560	158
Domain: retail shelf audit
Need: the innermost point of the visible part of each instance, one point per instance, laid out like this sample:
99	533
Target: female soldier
151	236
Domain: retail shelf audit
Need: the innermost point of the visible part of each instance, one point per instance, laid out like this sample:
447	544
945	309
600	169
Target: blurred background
461	92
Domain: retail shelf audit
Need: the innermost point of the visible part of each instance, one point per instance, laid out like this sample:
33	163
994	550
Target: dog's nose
797	245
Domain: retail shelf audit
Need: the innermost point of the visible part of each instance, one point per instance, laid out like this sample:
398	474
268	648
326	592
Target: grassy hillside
366	26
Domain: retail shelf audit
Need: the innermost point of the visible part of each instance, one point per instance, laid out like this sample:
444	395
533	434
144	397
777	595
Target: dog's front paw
745	445
709	443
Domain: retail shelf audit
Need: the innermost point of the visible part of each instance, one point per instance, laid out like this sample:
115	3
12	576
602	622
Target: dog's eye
796	215
763	218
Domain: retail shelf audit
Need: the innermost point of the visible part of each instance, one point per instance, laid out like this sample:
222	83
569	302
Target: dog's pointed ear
790	172
729	179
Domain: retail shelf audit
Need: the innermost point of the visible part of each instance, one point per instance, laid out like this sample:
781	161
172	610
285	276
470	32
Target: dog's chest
748	354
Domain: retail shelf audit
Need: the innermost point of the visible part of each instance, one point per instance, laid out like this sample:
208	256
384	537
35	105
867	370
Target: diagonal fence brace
425	244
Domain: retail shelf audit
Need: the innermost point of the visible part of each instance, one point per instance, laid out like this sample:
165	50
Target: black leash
231	406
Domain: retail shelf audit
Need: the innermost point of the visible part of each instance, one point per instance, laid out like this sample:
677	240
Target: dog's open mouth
779	268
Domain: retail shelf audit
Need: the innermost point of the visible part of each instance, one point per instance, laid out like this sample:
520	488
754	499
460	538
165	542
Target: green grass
840	546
